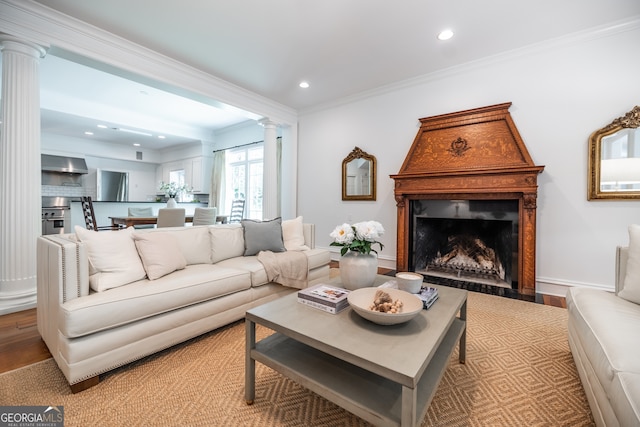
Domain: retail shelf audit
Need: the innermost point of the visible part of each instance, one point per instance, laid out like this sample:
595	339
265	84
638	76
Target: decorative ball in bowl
362	300
409	281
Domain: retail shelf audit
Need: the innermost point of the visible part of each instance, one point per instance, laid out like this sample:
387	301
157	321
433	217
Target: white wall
561	92
243	133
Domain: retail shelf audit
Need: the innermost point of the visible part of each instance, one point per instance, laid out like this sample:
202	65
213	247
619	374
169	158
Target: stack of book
324	297
428	295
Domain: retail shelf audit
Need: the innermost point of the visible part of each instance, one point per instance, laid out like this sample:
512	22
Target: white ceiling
341	47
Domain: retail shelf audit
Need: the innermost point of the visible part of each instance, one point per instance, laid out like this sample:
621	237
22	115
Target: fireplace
466	243
466	198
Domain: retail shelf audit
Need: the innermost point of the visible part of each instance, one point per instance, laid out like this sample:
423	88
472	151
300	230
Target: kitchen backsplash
67	191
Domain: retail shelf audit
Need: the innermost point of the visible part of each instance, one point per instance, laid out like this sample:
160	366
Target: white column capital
16	45
268	124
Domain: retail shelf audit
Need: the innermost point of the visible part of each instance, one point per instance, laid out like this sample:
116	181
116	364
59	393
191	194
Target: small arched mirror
614	159
359	176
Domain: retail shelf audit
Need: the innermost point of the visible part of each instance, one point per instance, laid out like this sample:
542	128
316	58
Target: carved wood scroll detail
459	147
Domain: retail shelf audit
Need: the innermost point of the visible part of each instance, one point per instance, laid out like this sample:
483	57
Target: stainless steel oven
55	215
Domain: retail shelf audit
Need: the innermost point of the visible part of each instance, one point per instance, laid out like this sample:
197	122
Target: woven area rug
519	372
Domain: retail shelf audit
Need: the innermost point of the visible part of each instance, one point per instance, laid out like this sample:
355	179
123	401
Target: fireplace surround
472	157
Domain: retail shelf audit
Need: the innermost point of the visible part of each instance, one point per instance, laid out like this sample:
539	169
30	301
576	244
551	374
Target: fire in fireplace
466	241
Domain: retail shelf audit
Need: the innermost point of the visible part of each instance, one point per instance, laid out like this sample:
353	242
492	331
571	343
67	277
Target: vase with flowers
358	261
173	190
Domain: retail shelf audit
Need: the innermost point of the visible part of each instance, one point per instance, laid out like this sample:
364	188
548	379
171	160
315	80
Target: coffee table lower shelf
369	396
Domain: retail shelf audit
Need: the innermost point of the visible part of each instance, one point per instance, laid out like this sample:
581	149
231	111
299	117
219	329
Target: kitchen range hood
63	164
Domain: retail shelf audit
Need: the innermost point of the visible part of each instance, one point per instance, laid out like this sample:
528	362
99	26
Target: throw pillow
631	288
293	235
262	236
160	253
193	242
113	258
227	241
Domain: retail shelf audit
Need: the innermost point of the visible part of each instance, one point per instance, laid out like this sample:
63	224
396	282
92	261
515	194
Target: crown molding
630	24
74	39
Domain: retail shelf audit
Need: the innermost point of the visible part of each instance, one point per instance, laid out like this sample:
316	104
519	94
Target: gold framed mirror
614	159
359	176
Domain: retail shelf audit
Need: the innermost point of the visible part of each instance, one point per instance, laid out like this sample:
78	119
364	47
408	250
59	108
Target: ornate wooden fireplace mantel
471	155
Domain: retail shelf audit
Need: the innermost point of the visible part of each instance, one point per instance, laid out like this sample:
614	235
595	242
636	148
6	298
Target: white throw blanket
289	268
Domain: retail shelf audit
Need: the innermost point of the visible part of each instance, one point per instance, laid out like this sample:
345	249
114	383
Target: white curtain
217	192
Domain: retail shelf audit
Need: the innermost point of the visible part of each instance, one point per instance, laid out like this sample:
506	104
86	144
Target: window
178	176
244	178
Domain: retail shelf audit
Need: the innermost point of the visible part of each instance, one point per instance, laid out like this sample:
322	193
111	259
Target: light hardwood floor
21	345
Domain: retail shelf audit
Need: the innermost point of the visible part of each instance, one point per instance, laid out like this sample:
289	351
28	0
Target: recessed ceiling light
161	137
102	126
445	35
88	133
136	145
304	85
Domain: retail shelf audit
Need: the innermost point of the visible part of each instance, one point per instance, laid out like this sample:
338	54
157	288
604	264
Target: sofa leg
83	385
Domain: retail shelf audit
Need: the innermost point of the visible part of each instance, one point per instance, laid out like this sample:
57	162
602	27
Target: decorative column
270	208
20	181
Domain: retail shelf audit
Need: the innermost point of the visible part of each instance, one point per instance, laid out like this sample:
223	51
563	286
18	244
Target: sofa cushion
315	258
249	264
139	300
293	235
631	285
113	258
194	242
160	253
604	323
262	236
227	241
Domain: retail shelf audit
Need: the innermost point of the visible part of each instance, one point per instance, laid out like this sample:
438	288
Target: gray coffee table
386	375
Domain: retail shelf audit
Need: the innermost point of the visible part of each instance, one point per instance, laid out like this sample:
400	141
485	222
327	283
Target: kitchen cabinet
197	172
194	174
163	172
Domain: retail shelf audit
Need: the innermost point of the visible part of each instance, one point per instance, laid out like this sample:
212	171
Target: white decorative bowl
361	299
409	281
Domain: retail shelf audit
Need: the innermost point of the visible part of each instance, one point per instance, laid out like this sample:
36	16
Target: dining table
129	221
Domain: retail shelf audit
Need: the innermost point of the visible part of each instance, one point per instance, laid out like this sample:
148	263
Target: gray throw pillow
262	236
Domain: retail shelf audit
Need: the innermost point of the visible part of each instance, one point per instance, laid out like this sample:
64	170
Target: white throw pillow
160	253
113	258
293	235
194	242
631	288
227	241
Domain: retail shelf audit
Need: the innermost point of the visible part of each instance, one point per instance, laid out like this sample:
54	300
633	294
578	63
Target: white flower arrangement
358	237
173	189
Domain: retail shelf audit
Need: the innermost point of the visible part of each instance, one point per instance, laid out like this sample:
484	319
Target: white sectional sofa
108	298
604	337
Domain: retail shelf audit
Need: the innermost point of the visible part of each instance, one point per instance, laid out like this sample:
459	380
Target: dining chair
237	211
171	217
141	212
205	216
90	216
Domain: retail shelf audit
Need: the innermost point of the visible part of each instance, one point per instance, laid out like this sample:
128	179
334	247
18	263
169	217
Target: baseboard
559	287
